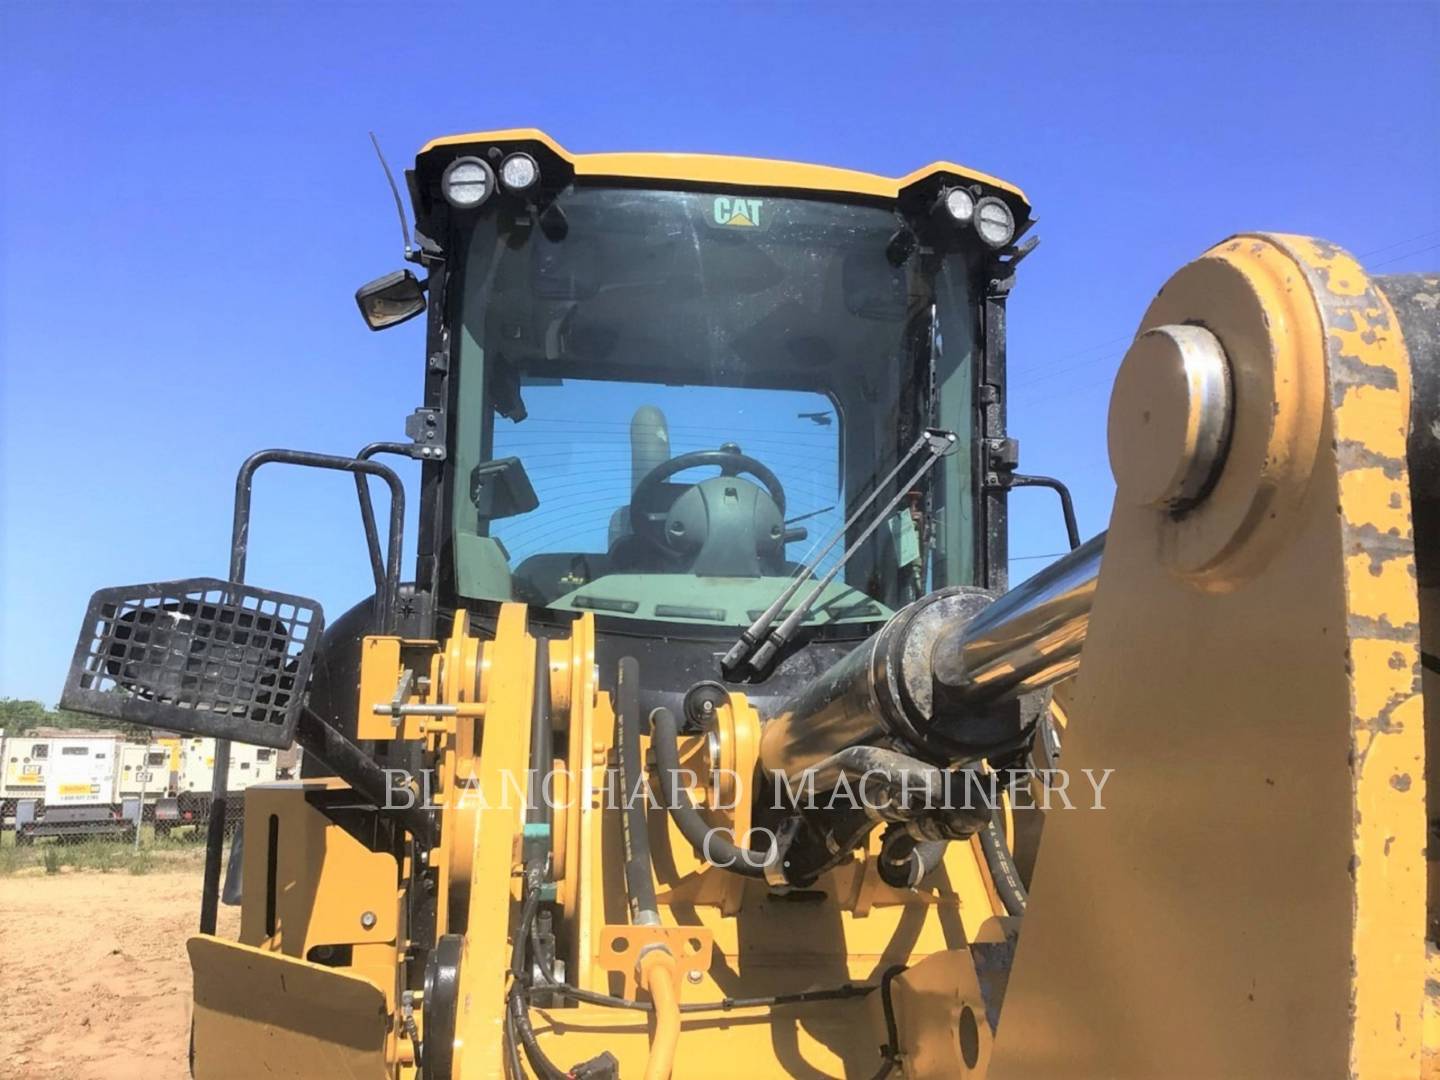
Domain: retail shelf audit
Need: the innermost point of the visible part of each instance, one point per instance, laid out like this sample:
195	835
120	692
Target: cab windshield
696	387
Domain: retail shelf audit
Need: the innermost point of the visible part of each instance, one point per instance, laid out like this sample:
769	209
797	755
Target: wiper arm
740	654
807	517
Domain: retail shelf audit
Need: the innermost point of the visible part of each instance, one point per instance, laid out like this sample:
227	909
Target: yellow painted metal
737	171
1430	684
724	936
262	1013
660	974
1251	900
850	928
327	885
457	679
308	885
379	679
497	783
940	1018
623	947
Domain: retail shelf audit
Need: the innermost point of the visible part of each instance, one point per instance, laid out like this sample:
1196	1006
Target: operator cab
694	372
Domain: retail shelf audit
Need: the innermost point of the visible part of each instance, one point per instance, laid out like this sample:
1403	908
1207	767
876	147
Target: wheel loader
706	737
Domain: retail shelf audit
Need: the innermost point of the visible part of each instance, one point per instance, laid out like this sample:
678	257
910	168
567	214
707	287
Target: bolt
367	920
694	975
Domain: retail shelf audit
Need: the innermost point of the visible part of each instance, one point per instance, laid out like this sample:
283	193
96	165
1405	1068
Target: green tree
18	716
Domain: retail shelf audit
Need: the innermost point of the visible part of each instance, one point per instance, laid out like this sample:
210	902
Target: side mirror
390	300
501	489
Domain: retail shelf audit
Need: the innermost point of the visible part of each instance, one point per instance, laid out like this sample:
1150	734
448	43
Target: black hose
634	828
891	1050
1003	871
710	844
517	1013
801	997
904	861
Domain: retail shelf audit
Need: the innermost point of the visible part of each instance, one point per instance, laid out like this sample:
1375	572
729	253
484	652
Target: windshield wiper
755	650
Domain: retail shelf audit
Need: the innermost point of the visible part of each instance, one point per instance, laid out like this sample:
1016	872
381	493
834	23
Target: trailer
66	783
189	802
25	759
81	793
149	773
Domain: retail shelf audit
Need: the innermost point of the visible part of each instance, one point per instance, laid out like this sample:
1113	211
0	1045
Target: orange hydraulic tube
657	974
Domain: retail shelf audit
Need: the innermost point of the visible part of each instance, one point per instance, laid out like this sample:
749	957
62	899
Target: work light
467	182
960	204
519	173
994	222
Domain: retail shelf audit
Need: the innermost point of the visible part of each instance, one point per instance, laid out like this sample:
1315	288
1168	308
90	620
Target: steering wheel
648	519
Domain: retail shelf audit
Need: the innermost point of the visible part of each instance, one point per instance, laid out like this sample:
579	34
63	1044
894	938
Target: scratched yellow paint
1374	690
1380	600
1430	1053
1373	409
1389	870
1344	276
1369	497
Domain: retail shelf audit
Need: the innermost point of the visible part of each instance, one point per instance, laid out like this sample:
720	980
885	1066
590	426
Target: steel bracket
426	429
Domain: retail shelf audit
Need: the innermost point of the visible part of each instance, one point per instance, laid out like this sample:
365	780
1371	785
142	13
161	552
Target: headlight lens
994	222
518	172
467	183
960	204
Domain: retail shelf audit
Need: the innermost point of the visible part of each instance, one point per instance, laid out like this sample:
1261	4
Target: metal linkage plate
200	656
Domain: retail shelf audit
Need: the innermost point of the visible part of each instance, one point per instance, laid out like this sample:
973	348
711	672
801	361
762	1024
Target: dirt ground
94	972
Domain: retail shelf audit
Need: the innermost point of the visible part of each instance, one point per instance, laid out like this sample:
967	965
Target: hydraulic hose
904	860
1003	871
635	831
657	974
517	1014
710	844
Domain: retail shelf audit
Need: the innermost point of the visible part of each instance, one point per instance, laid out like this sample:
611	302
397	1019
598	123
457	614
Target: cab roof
723	169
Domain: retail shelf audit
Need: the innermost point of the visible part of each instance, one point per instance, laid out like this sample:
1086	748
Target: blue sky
188	201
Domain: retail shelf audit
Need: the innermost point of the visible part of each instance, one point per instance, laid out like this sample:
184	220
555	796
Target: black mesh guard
200	656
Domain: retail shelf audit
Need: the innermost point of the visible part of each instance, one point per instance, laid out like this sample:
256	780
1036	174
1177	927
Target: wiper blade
744	653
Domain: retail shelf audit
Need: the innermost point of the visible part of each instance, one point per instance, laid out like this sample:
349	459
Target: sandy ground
94	974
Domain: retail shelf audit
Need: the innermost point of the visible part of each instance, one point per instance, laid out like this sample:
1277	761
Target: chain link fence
104	790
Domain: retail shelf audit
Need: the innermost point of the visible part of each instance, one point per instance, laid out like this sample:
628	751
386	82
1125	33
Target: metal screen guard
386	599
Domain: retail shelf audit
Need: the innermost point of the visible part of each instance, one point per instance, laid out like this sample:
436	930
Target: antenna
399	206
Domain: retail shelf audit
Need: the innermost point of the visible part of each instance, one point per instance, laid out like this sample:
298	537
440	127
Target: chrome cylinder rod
1028	639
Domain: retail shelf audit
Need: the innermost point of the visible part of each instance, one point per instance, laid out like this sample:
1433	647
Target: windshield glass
668	400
